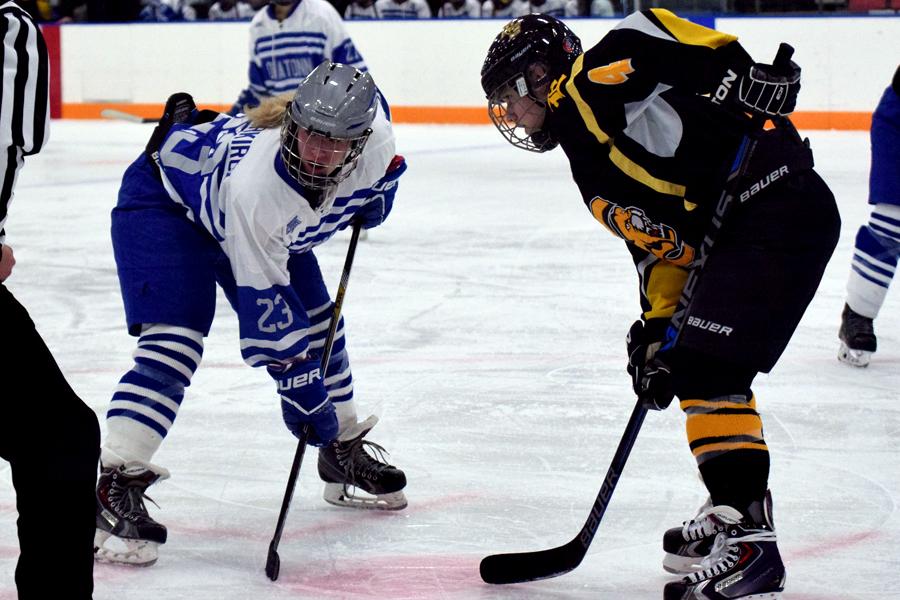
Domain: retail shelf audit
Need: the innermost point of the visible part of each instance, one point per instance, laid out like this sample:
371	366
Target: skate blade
681	565
856	358
118	551
356	498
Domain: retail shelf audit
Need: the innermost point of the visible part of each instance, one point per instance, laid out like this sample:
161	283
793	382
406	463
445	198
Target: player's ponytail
270	112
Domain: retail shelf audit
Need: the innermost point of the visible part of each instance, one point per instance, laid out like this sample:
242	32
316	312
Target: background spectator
460	9
165	11
507	9
230	10
402	9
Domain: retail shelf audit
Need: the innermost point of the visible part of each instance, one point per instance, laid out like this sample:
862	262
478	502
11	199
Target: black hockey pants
52	442
758	280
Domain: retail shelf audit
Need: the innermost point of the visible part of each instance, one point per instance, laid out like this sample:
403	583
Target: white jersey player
242	202
288	39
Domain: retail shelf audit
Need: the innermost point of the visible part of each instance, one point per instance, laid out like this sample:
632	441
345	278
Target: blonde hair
270	112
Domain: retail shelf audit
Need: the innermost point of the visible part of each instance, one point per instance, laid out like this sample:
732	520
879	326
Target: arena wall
429	70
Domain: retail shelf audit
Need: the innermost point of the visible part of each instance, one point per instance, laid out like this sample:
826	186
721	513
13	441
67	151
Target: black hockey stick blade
273	562
519	567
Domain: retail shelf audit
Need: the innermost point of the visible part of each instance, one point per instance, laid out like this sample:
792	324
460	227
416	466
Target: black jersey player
728	225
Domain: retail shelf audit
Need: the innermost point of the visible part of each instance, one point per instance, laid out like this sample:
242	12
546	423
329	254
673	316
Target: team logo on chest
633	225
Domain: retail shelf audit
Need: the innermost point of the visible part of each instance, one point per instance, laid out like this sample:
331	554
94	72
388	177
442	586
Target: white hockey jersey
283	53
230	179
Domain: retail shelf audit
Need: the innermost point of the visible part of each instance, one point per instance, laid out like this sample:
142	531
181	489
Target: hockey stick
273	562
542	564
118	115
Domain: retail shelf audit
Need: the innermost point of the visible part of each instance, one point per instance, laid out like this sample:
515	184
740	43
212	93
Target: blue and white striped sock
146	401
874	260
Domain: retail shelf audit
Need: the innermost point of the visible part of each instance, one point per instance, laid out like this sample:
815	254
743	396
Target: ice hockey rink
486	323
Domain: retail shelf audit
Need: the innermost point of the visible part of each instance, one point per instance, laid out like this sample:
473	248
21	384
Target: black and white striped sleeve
24	97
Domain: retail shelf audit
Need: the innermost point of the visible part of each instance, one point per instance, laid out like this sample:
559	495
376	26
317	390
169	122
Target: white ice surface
486	324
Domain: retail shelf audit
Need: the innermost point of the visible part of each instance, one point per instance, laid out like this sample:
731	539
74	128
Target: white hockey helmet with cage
327	124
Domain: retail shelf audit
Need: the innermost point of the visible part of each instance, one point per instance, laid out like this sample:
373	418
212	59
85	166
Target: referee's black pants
51	440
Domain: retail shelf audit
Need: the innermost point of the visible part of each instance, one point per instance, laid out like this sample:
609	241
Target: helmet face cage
315	159
519	86
526	55
327	125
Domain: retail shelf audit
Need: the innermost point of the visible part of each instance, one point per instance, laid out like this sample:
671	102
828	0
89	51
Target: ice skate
688	546
858	341
126	534
747	566
347	470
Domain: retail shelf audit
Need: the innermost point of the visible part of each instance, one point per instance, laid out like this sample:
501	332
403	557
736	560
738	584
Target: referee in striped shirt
49	436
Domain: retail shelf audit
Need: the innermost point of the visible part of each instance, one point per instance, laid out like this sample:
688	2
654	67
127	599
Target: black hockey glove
770	91
178	110
651	377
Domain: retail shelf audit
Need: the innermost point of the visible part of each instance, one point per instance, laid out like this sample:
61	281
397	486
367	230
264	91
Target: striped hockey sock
146	401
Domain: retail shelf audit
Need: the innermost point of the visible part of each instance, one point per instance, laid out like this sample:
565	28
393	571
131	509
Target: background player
242	202
654	121
288	39
878	243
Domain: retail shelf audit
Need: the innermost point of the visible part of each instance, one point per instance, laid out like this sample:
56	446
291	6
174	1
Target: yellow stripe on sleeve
639	173
663	288
587	114
690	33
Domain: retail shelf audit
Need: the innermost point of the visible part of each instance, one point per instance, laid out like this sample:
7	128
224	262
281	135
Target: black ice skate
346	468
743	564
858	341
687	546
126	534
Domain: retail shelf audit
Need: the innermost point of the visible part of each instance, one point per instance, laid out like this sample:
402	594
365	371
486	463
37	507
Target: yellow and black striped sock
723	424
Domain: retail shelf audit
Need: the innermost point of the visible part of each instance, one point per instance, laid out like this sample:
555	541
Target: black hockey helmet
524	42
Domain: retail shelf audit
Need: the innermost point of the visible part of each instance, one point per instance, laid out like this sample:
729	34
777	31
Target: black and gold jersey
648	145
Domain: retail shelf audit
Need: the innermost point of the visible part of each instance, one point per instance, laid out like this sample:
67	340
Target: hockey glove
305	401
651	377
770	91
378	207
178	110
